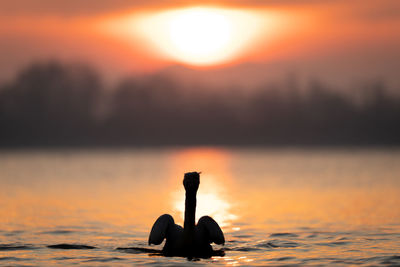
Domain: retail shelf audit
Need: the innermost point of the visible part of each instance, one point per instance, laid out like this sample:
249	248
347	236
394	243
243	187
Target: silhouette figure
191	240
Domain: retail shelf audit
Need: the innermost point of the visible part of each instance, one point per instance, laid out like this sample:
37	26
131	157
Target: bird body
192	240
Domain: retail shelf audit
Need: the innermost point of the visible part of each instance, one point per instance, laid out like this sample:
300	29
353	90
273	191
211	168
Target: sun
198	35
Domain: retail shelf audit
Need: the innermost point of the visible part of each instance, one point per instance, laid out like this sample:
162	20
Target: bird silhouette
192	240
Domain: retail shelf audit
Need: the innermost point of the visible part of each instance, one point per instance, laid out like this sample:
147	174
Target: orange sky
325	39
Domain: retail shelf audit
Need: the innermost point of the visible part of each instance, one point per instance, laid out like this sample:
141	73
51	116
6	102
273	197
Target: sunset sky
337	41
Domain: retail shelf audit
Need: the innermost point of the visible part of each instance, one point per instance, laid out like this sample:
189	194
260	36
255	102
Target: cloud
372	10
92	7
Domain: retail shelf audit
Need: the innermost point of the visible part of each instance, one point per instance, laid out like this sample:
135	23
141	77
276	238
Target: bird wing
160	229
211	230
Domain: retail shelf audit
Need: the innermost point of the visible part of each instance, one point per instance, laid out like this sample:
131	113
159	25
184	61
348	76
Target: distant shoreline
57	105
205	146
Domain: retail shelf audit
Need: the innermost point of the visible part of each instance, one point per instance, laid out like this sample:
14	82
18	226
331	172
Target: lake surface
275	206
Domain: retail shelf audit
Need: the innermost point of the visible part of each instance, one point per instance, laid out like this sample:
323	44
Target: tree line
55	104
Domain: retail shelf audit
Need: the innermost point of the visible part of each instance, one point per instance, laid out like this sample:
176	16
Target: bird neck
190	210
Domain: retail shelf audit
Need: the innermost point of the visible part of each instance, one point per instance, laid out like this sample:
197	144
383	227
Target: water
276	206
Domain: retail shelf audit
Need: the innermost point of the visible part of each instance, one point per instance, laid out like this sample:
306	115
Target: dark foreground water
276	207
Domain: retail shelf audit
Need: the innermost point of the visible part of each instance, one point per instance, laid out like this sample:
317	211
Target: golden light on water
213	195
320	200
210	201
272	190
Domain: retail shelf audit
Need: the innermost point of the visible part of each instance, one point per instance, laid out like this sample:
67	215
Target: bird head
191	181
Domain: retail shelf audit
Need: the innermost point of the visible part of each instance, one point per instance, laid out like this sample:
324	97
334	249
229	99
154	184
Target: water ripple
334	243
283	244
283	235
102	259
70	246
5	247
243	249
391	260
58	232
138	250
13	233
14	259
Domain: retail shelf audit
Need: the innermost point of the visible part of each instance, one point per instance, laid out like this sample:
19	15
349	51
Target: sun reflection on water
213	195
